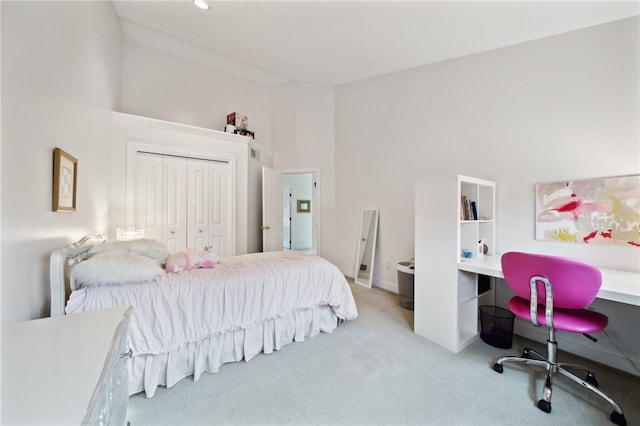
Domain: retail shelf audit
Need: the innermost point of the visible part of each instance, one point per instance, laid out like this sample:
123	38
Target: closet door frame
135	147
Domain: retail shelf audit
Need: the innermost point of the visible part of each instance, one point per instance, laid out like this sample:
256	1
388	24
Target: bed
193	321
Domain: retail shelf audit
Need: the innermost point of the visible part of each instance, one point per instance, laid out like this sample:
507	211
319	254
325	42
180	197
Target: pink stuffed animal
191	259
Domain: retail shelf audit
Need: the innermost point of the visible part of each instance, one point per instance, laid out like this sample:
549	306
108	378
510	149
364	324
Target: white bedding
205	317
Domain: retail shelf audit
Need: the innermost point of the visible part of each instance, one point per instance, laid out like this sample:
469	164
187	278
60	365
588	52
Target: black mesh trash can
405	284
496	326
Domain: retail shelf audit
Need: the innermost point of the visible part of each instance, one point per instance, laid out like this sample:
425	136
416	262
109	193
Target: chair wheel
498	367
546	406
525	353
618	418
592	380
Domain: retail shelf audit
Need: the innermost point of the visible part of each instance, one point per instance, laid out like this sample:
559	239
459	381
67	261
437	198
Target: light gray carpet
376	371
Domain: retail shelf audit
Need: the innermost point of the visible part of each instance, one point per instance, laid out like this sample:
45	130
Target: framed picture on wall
304	206
65	178
602	210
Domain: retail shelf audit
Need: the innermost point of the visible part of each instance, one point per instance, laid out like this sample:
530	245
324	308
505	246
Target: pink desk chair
553	292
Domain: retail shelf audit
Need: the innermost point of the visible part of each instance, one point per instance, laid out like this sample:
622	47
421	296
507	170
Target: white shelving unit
446	298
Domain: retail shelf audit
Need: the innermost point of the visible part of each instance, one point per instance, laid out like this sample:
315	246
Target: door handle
265	228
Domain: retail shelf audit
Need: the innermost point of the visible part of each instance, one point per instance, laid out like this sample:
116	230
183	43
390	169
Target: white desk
617	286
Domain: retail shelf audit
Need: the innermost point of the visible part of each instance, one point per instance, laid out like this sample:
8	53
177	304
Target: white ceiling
336	42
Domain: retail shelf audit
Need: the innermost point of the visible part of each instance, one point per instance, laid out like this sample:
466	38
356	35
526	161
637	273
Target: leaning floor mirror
363	274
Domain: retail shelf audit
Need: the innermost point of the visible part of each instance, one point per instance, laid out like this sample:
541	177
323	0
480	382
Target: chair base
532	357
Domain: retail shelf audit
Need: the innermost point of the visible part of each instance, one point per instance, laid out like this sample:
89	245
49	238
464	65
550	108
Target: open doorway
290	210
300	209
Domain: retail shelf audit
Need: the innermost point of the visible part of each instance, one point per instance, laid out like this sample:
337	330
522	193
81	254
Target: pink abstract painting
602	211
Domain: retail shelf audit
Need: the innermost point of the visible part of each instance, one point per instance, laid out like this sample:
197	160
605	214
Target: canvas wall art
592	211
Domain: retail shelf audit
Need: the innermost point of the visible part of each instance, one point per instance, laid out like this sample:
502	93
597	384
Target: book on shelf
467	209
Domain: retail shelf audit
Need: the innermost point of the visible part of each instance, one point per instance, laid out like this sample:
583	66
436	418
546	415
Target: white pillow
153	249
105	247
115	268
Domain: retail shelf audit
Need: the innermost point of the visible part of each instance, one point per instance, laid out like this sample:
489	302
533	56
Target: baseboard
346	271
386	285
600	351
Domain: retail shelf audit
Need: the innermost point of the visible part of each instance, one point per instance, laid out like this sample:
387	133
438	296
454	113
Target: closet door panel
184	202
148	194
220	202
197	200
175	207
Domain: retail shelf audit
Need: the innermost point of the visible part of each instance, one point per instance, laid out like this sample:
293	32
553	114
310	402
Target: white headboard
75	253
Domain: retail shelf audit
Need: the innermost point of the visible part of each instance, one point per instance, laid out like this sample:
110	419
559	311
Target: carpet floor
375	371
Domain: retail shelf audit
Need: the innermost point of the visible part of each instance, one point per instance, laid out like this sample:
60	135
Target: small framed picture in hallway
304	206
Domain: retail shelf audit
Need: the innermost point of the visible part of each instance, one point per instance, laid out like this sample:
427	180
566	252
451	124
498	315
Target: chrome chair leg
545	403
589	378
527	352
530	361
616	407
574	367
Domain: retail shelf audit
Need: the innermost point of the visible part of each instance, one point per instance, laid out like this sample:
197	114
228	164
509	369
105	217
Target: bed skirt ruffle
147	372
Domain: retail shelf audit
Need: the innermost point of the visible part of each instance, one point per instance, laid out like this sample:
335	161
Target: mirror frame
372	239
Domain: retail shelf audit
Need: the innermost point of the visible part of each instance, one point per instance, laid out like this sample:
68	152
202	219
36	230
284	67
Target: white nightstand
66	370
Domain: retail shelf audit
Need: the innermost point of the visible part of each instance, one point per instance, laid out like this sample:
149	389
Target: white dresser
66	370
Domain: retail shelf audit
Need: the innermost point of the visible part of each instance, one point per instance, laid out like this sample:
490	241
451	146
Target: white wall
303	139
1	186
294	121
161	86
564	107
60	80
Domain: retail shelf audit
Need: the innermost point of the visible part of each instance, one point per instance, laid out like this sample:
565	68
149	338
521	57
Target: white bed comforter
240	292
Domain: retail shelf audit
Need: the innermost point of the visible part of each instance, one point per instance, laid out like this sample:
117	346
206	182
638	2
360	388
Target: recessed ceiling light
201	4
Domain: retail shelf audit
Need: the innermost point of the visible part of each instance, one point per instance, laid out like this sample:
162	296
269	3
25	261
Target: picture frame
304	206
601	210
65	179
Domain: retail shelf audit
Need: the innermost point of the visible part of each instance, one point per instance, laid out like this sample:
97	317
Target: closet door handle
265	228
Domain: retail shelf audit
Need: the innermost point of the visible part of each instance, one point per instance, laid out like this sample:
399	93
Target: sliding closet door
148	195
174	233
221	229
160	199
184	202
198	188
209	206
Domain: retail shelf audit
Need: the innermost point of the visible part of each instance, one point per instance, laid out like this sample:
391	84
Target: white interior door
272	210
286	216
